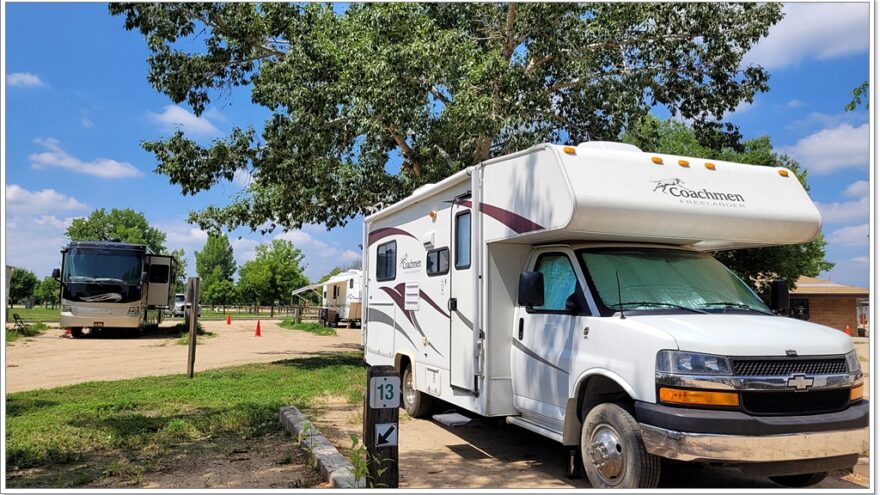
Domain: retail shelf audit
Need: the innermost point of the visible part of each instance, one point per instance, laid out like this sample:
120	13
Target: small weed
308	327
287	459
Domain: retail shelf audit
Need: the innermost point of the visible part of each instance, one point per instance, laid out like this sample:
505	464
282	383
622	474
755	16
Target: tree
439	86
180	270
215	261
757	265
48	292
126	225
273	274
22	285
220	293
859	93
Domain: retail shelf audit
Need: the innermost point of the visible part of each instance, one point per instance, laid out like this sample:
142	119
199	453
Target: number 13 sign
385	392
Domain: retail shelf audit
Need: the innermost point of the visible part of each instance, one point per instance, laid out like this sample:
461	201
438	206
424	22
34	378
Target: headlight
692	363
852	361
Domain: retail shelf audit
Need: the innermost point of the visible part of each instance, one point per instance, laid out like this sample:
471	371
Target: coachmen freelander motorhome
570	289
113	286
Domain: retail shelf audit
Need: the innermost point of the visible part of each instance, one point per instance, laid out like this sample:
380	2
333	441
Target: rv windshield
102	266
666	279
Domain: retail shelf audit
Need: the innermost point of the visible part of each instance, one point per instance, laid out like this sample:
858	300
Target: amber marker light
684	163
698	397
657	160
569	150
783	173
710	165
433	214
857	392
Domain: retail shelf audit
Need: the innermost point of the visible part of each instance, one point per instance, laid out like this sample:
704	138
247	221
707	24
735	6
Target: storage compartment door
160	278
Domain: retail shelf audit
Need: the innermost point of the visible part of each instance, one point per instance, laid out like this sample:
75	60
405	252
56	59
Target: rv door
160	278
461	303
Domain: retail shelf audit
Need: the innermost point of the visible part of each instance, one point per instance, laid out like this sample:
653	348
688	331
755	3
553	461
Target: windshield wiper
735	305
80	278
657	303
110	280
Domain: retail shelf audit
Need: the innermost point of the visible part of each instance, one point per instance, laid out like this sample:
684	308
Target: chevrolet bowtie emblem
800	382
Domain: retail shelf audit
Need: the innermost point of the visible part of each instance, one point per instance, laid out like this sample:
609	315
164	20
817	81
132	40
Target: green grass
151	417
308	327
34	329
37	313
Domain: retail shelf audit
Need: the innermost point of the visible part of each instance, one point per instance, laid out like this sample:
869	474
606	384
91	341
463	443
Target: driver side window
560	282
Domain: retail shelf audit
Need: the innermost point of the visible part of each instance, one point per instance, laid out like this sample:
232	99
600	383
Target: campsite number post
192	302
381	428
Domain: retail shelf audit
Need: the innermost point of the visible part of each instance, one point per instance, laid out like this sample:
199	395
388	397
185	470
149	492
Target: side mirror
144	277
780	300
56	273
531	289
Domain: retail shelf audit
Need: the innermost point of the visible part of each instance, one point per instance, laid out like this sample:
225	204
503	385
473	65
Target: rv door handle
520	333
452	304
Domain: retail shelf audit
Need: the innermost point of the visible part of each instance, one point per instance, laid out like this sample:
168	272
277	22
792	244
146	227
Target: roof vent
610	145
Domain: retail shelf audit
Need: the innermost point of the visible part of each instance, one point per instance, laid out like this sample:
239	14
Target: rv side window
437	262
560	282
386	261
351	283
463	240
159	274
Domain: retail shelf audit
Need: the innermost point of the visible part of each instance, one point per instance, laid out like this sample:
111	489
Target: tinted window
463	240
559	281
386	261
351	284
159	274
437	262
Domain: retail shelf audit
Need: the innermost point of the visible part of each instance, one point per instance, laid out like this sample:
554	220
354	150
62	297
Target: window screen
386	261
437	262
559	281
463	240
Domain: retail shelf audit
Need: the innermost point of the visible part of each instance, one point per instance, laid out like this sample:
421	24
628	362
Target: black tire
415	403
799	480
619	459
76	332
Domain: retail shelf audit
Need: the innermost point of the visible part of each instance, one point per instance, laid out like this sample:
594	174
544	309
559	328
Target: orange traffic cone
847	331
258	334
228	319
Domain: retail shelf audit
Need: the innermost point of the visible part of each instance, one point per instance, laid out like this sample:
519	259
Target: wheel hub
409	392
606	453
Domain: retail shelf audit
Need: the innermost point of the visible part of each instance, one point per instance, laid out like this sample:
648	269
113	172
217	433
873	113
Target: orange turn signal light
783	173
432	214
857	392
569	150
684	163
699	397
657	160
710	165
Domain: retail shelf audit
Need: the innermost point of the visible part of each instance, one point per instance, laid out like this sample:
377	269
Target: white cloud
743	107
35	242
818	120
244	249
795	103
20	200
857	189
186	236
825	151
860	259
174	117
350	255
55	156
24	80
87	122
303	239
242	178
814	31
855	235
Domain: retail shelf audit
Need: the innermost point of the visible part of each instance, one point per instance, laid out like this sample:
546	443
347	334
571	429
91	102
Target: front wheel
416	404
799	480
612	450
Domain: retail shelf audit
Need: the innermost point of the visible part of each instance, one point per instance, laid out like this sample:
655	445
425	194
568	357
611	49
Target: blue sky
78	105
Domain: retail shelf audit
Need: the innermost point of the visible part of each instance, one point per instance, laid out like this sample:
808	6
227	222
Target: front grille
799	403
785	367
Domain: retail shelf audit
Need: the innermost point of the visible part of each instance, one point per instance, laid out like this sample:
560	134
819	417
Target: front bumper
104	320
735	437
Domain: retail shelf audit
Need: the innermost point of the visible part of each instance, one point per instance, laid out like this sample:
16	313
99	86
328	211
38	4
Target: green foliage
272	275
220	293
860	93
215	261
126	225
166	414
442	85
308	327
48	292
757	265
179	270
22	285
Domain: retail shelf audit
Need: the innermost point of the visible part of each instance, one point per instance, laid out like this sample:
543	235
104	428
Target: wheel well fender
594	387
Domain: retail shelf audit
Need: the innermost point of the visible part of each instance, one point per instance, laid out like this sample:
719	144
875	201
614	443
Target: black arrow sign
383	438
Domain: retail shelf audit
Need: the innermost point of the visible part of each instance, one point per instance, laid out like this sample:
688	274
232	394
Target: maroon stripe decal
436	306
396	295
385	232
514	222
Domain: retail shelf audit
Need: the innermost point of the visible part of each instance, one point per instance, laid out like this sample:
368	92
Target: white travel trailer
113	286
340	297
570	289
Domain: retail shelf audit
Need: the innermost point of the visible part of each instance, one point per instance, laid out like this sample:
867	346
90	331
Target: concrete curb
863	468
334	467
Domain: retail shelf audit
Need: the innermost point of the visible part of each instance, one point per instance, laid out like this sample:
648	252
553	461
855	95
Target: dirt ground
48	360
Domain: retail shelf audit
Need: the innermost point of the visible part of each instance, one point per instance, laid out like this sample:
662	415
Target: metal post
192	299
381	413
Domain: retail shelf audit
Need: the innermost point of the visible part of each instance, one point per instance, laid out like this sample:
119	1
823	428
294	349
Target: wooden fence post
192	298
381	414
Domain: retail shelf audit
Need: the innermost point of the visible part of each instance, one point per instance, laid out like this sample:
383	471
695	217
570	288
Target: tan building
831	304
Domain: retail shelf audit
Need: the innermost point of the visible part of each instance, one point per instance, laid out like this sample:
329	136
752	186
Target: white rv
113	286
340	297
570	289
